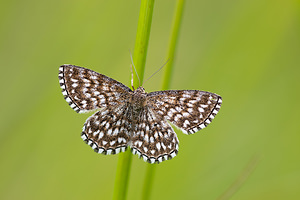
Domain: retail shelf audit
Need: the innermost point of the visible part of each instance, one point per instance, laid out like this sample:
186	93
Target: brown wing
189	110
153	138
108	130
86	90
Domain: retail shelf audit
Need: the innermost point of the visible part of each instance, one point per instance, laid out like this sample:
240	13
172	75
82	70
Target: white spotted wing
134	118
86	90
189	110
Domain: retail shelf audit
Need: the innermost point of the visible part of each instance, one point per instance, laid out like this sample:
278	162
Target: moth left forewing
86	90
189	110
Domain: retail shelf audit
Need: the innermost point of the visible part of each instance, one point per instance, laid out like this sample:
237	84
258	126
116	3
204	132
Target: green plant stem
139	59
122	175
142	39
172	44
148	183
150	171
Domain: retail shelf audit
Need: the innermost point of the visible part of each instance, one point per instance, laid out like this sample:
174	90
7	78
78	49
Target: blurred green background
246	51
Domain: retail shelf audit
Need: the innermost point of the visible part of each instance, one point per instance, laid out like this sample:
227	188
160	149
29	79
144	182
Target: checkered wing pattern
189	110
153	138
86	90
108	130
134	118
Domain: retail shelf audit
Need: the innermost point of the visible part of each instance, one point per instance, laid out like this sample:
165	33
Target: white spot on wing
134	151
200	109
140	143
145	158
109	151
100	135
173	154
96	132
202	126
68	99
151	139
158	146
116	131
185	114
145	149
146	138
160	159
163	146
84	137
100	150
117	150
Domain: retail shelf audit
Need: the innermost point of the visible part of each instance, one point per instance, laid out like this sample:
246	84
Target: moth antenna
156	71
131	77
134	70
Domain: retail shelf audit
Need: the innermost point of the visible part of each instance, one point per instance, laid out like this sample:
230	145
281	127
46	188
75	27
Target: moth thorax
140	90
139	98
